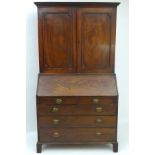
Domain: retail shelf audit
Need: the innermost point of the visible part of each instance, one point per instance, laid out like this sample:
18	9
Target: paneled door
96	39
57	39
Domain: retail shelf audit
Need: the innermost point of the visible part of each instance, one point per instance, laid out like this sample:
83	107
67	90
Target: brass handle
55	109
55	121
56	134
98	120
98	133
96	100
99	109
58	101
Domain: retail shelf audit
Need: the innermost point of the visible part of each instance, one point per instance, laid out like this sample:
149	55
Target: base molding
39	145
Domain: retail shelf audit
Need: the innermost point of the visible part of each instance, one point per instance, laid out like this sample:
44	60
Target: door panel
96	39
58	40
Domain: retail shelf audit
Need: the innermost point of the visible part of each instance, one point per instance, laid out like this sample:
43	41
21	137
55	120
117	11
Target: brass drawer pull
58	101
56	134
98	120
99	109
55	121
98	134
96	100
55	109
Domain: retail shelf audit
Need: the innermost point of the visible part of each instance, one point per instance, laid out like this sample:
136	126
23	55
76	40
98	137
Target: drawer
77	135
77	121
57	100
105	109
96	100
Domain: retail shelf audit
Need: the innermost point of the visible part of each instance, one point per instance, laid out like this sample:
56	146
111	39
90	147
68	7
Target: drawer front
77	121
57	100
48	109
74	100
77	135
96	100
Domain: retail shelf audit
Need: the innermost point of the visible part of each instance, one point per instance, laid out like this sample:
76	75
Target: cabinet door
57	39
96	39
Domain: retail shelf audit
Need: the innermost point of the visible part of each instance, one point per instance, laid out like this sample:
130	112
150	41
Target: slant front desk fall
77	97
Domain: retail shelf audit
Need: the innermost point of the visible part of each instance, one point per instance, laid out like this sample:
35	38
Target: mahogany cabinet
77	96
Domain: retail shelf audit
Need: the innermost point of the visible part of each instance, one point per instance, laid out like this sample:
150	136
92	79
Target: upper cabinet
77	38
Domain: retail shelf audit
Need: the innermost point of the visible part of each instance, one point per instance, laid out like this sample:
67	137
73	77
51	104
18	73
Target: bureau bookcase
77	96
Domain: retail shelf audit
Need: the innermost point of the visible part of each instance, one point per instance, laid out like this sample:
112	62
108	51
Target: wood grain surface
79	85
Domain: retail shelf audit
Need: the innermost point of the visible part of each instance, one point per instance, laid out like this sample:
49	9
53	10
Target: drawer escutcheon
55	109
98	120
98	134
58	101
99	109
96	100
56	121
56	134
